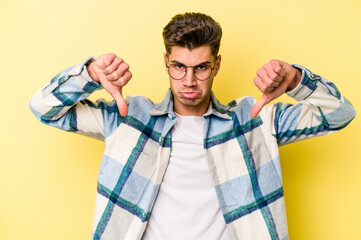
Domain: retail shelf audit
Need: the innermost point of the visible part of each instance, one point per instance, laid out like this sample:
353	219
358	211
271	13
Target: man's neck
191	110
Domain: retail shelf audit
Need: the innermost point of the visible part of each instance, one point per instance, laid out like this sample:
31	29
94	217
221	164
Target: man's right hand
112	73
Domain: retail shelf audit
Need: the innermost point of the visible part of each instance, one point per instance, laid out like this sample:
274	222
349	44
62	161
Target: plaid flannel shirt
242	152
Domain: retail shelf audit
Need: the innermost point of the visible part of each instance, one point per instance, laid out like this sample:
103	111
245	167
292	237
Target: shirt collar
214	108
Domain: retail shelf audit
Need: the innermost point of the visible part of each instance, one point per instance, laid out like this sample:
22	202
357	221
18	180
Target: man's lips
189	95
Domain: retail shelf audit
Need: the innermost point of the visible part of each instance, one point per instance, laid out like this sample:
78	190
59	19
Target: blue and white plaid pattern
242	152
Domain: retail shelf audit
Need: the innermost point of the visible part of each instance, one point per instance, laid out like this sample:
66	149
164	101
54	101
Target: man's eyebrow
177	62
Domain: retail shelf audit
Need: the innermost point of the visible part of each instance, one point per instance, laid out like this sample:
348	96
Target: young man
190	167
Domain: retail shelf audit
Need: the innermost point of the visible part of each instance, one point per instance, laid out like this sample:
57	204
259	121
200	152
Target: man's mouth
189	95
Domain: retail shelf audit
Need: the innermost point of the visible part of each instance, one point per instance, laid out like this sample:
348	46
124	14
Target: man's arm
63	102
322	109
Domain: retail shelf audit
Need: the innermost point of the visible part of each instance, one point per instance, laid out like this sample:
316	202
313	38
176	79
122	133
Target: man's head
192	30
192	42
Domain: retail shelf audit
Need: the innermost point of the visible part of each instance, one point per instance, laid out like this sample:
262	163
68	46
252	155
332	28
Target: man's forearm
63	104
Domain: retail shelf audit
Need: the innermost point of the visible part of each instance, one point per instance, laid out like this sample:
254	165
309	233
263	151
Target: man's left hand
274	79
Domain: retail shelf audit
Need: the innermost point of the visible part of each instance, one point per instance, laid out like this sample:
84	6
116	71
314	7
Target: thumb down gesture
113	74
274	79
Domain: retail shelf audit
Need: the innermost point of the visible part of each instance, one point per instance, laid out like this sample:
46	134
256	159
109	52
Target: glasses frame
185	73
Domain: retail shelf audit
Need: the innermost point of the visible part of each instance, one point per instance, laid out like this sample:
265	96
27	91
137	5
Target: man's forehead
191	57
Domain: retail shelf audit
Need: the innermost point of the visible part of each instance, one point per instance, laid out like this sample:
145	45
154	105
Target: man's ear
218	65
165	61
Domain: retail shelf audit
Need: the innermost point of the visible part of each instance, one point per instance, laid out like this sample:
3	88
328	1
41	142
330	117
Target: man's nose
189	79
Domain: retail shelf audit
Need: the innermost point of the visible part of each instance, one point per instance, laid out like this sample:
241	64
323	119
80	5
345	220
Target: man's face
191	96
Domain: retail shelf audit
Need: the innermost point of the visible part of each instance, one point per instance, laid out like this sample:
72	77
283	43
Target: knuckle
126	65
130	75
108	58
274	61
122	81
276	65
107	71
111	77
118	83
118	60
111	55
106	62
114	76
273	77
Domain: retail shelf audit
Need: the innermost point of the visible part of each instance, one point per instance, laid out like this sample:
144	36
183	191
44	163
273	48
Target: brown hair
192	30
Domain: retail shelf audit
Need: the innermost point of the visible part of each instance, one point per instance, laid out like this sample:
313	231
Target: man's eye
179	66
201	67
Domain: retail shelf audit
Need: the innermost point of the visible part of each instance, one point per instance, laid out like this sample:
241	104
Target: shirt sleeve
321	110
63	104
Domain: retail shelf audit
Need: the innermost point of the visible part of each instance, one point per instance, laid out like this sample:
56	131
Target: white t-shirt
187	206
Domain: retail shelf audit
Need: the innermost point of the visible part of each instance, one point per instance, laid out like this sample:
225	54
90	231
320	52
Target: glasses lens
202	72
177	71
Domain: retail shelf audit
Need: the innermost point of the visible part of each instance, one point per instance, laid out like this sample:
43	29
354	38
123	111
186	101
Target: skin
113	74
273	80
191	96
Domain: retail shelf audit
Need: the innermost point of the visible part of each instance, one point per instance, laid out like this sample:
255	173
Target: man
190	167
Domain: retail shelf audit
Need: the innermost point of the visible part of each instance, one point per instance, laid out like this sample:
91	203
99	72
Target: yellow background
48	177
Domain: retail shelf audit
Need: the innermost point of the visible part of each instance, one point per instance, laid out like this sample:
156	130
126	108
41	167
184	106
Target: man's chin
190	101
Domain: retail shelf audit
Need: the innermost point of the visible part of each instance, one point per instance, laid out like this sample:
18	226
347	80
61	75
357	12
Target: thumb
258	106
121	103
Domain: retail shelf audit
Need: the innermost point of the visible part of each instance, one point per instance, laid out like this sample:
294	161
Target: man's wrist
296	80
91	72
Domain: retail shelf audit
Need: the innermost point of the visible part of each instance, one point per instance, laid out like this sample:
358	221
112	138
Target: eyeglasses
201	72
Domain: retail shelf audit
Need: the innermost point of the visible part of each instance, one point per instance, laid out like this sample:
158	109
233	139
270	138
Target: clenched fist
113	74
274	79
